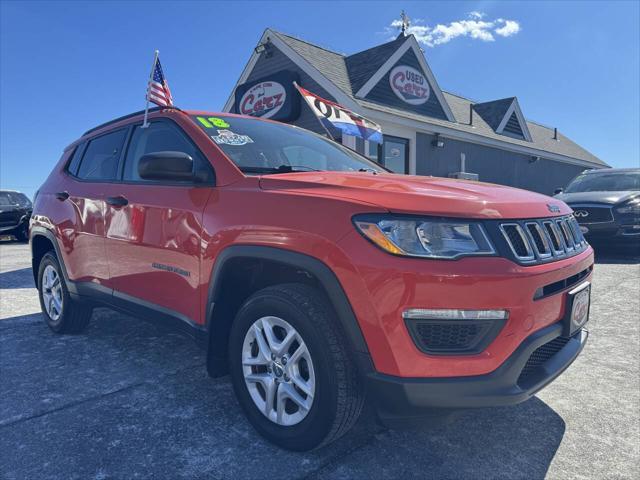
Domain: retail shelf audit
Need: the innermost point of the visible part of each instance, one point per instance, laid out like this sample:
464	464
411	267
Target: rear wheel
291	368
62	314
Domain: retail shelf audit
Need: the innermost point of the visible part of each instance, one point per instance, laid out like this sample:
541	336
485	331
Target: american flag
158	90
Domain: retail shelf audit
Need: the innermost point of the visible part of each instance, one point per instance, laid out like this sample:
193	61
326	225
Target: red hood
422	195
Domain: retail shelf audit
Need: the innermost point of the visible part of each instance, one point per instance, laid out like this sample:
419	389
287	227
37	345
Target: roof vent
513	126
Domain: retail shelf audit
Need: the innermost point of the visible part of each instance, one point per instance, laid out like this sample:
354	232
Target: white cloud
510	27
473	27
477	15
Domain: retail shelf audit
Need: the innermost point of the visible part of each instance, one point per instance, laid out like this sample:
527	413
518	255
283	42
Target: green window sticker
213	122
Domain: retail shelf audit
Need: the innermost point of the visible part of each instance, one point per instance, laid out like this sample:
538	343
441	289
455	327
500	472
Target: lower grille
560	285
540	356
453	337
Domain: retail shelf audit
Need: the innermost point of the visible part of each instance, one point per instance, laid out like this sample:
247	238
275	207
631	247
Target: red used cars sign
264	100
409	85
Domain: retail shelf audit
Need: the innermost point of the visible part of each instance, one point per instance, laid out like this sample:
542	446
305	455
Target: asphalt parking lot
127	399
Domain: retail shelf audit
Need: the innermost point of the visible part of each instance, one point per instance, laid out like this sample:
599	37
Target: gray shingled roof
331	64
347	72
362	65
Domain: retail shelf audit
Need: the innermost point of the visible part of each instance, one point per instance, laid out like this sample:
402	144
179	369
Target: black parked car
15	212
606	203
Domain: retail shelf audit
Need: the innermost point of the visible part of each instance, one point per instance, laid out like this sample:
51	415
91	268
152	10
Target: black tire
339	395
75	316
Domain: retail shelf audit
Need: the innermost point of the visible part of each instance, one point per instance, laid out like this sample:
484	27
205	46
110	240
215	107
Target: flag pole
145	124
295	84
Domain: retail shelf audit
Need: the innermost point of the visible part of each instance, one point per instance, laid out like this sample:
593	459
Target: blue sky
67	66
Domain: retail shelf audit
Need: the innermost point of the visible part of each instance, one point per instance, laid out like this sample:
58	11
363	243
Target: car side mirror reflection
557	191
177	166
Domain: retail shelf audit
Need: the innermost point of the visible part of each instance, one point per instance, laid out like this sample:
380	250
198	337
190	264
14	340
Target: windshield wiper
280	169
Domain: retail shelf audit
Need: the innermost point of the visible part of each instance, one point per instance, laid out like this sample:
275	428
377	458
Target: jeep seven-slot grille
535	241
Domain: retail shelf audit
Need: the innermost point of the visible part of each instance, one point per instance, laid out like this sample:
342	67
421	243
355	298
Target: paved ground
130	400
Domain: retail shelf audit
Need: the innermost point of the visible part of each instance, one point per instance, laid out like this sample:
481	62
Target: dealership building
427	131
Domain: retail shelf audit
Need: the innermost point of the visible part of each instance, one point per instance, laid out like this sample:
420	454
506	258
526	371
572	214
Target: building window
371	150
349	142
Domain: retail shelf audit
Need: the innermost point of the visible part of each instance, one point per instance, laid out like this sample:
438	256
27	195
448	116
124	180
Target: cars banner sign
409	85
264	99
269	97
350	123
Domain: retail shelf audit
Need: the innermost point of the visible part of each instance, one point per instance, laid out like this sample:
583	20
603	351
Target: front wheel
291	368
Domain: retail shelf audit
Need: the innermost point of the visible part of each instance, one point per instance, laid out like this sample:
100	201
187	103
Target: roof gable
505	117
493	112
416	57
407	87
327	68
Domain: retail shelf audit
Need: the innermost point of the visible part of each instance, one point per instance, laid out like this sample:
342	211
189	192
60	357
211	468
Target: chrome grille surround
540	241
555	236
511	229
545	239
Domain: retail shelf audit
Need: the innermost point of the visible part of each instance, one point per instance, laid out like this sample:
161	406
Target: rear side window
100	160
159	137
72	168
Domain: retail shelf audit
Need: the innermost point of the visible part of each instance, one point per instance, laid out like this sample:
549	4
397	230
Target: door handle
62	196
118	201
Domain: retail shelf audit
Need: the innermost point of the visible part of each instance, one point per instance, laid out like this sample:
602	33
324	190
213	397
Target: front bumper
511	383
626	231
9	226
381	287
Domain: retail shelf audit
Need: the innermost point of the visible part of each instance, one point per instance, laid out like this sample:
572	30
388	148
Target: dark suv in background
606	203
15	212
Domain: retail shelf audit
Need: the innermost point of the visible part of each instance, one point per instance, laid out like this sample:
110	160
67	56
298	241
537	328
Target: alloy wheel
278	371
52	292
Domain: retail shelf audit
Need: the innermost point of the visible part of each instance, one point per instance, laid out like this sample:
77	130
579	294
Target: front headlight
632	206
424	237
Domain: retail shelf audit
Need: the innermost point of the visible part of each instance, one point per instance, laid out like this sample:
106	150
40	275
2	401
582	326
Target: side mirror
557	191
177	166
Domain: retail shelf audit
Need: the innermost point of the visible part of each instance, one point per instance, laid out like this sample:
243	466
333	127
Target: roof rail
124	117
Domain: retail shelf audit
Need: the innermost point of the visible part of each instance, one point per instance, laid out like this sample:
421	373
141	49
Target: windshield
14	198
605	182
258	147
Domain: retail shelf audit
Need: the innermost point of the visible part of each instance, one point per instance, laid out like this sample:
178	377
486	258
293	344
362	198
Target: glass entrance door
394	154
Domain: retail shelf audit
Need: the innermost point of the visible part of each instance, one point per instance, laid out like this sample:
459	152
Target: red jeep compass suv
312	275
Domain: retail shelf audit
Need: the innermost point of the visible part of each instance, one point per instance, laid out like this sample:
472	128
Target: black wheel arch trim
49	235
315	267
